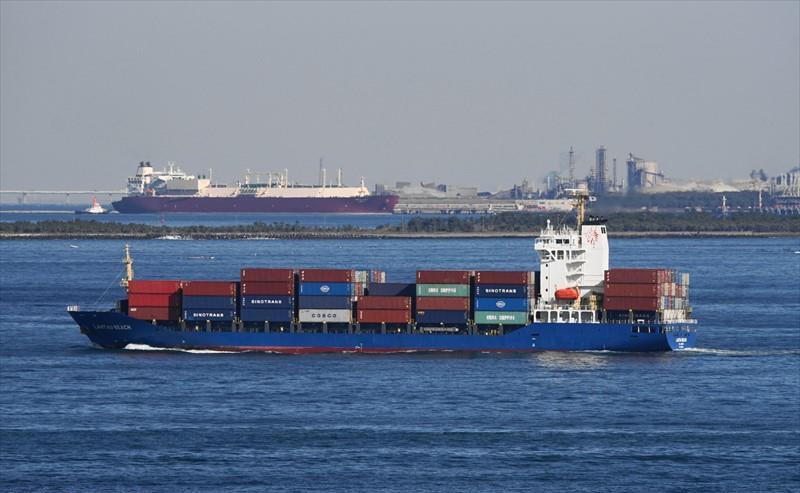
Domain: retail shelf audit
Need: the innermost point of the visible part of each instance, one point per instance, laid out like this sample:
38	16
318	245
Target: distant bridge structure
22	195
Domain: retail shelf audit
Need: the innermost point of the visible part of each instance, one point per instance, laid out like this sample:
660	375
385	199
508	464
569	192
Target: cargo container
326	289
250	274
326	275
392	289
442	303
502	291
327	302
458	290
650	290
195	315
268	302
441	317
645	304
321	315
502	304
268	288
266	315
208	302
505	318
154	312
502	277
154	300
384	316
442	277
377	276
209	288
384	303
638	276
153	287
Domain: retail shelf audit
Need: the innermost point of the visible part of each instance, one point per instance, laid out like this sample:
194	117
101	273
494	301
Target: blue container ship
574	303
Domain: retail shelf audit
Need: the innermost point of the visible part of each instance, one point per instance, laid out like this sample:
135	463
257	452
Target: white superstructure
572	260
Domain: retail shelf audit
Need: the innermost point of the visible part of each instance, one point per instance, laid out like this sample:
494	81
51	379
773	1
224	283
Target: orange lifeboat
567	294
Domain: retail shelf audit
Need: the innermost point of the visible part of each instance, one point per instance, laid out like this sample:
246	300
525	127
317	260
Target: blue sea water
724	417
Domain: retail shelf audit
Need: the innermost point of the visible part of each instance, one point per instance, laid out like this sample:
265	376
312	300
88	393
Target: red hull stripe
320	350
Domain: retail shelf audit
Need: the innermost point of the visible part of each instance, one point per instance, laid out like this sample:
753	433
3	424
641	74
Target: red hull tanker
360	205
172	190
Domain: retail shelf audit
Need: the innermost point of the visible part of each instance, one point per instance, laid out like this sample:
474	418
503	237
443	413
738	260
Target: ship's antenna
128	261
581	196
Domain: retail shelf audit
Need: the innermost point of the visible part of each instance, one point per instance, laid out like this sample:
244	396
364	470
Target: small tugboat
96	208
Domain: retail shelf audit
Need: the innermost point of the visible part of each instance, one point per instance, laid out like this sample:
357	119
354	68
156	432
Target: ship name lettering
113	327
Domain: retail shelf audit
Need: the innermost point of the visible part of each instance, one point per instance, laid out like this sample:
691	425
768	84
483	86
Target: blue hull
115	330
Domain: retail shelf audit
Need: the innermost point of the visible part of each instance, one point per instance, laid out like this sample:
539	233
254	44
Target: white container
320	315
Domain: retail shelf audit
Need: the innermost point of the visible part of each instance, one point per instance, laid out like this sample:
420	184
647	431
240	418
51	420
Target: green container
505	318
455	290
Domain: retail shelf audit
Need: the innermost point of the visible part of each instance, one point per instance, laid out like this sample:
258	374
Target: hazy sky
463	93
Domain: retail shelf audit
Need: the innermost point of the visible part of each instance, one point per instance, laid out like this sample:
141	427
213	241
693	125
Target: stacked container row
443	297
267	295
326	295
384	309
154	300
502	297
645	290
209	300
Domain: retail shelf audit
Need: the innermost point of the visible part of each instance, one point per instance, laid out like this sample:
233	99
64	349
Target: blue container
326	288
265	302
216	302
442	317
392	289
202	314
326	302
266	315
502	291
501	304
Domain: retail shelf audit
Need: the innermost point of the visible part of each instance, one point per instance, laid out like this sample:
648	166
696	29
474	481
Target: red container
638	276
384	303
380	316
154	300
249	274
209	288
644	304
502	277
442	303
326	275
269	288
634	290
154	312
443	277
154	287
